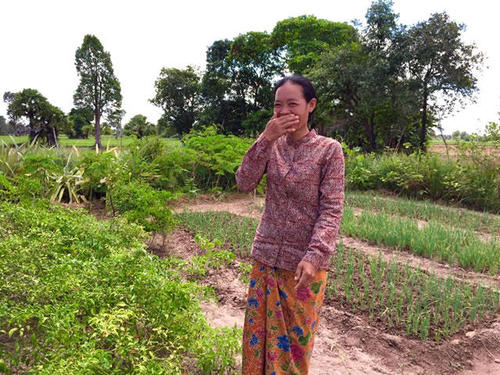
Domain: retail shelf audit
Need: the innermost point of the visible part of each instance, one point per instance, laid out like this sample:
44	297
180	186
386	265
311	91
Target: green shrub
83	296
216	157
143	205
472	181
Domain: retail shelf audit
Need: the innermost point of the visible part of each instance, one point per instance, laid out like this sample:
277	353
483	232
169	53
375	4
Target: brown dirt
440	149
348	343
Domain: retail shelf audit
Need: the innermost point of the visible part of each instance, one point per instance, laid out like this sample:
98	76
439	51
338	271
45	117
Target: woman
296	235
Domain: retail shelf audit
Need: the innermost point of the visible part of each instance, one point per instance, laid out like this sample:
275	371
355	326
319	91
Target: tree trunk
54	137
370	134
98	130
423	128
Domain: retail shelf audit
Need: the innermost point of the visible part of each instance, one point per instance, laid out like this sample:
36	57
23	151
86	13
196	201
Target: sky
39	39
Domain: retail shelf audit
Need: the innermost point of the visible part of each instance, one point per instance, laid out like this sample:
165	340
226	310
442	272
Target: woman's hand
304	274
278	126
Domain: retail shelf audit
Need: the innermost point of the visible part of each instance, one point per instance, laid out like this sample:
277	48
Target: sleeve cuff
316	260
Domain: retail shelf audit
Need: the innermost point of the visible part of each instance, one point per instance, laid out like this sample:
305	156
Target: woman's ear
311	105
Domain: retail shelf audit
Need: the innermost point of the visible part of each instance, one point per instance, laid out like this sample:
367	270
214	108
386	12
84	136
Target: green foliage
492	131
303	39
139	126
472	181
101	171
177	94
217	157
80	118
143	205
82	296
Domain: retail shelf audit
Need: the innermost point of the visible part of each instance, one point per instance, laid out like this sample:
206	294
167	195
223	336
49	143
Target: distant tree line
380	85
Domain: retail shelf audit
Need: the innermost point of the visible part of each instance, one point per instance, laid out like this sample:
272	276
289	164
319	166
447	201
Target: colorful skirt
280	323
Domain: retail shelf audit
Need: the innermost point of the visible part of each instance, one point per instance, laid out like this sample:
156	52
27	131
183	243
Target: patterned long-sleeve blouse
304	198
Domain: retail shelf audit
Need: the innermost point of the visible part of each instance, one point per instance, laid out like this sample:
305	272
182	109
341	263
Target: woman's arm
254	164
331	200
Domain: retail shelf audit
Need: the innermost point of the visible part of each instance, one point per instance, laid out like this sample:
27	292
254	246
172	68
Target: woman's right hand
278	126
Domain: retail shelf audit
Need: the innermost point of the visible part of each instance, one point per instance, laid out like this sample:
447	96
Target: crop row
433	240
407	298
462	247
425	210
402	297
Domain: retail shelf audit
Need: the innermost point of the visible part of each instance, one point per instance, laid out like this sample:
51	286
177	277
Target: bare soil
452	151
347	343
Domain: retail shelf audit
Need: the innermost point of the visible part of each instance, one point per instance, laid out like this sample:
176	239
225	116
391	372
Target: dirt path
347	343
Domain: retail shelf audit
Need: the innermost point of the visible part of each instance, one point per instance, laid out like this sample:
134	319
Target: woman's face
289	99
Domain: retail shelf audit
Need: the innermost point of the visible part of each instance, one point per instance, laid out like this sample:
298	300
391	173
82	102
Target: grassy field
106	140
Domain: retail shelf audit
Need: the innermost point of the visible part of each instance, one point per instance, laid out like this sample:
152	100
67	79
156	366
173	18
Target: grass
425	210
106	140
454	246
234	231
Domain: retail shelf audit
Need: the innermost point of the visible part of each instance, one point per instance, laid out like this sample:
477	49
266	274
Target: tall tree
215	84
255	63
99	88
44	120
359	86
441	67
177	93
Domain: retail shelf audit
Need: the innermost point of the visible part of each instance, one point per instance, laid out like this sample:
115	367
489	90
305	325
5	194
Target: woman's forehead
289	91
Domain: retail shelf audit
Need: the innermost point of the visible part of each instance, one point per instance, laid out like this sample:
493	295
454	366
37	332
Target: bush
472	181
83	296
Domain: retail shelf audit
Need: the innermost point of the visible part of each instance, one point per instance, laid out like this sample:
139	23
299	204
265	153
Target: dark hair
307	89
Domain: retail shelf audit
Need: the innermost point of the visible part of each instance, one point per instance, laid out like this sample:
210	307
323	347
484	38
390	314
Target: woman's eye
276	105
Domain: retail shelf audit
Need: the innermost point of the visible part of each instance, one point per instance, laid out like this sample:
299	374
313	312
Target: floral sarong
278	334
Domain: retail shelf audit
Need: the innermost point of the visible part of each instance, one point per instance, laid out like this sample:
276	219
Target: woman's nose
284	111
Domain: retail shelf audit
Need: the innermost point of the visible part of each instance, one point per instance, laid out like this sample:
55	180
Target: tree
139	126
45	121
360	87
5	127
115	122
219	92
440	66
300	41
79	117
99	88
255	63
177	93
492	132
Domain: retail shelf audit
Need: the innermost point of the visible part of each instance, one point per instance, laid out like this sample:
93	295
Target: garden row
396	296
434	240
